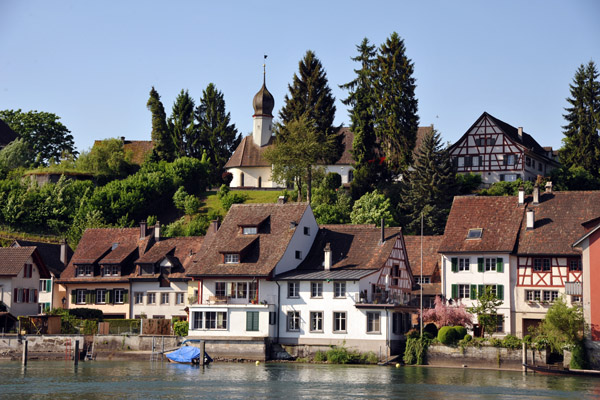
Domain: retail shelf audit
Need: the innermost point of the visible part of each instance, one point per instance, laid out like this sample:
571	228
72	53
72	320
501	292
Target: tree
16	154
444	314
46	137
574	178
486	310
216	135
370	208
581	144
296	151
310	97
396	117
181	126
107	160
161	138
429	188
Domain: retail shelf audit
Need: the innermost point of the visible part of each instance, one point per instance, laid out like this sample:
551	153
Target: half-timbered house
354	288
500	152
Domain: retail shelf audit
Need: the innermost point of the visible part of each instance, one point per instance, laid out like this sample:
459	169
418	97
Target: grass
210	201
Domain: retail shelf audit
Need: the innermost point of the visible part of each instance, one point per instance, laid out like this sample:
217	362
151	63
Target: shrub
180	328
432	329
511	342
413	334
416	350
86	313
179	198
578	357
332	180
320	356
461	332
338	355
468	338
447	335
370	358
527	339
495	342
191	205
232	198
227	177
90	327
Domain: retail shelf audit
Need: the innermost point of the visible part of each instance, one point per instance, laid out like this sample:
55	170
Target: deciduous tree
486	310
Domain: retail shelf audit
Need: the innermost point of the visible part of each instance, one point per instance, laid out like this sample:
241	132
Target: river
143	380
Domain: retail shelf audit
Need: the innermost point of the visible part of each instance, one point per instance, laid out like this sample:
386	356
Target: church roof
263	102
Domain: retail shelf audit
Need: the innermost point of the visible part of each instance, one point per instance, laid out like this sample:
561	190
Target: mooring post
25	353
163	345
76	354
202	348
524	346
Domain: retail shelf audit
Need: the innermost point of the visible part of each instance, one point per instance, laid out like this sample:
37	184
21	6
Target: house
7	135
98	275
236	297
500	152
21	269
159	285
478	252
432	279
56	256
548	266
138	149
352	289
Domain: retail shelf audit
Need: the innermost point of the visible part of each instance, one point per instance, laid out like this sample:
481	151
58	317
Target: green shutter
252	321
108	296
480	265
73	296
88	297
454	264
454	291
125	297
499	265
500	292
480	290
473	292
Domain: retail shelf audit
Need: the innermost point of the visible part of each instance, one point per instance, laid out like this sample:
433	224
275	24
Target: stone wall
482	357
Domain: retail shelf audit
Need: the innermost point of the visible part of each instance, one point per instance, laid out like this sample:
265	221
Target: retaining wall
482	357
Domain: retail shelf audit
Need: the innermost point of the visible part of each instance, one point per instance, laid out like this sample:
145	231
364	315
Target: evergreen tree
428	188
216	135
161	137
310	96
396	113
181	126
581	144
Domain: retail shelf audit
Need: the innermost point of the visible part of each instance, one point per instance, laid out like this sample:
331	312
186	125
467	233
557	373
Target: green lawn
210	201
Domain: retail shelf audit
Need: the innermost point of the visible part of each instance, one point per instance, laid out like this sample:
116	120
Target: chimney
123	139
520	131
548	187
382	230
142	229
521	195
281	200
214	226
536	194
157	231
63	252
530	219
328	257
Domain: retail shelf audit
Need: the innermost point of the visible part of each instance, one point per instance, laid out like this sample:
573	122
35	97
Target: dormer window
147	269
111	270
475	233
232	258
84	270
249	230
114	246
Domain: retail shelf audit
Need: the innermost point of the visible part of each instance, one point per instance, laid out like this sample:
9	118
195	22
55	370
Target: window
463	291
164	298
541	264
179	298
101	296
111	270
574	265
43	308
32	295
272	317
493	289
339	322
475	233
490	264
293	289
249	230
151	299
298	255
241	179
84	270
307	231
508	177
252	321
550	295
509	159
27	271
220	288
118	296
426	279
373	322
460	264
147	269
533	295
500	323
575	299
350	176
215	320
316	321
46	285
232	258
461	161
316	289
540	166
138	297
339	290
237	290
293	320
197	319
80	296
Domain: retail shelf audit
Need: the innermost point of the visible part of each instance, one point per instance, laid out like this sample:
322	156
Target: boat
188	355
562	371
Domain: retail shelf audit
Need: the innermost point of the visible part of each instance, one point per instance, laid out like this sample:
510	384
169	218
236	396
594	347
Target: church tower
263	104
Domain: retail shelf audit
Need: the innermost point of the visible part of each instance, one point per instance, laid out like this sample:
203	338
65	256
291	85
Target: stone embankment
481	357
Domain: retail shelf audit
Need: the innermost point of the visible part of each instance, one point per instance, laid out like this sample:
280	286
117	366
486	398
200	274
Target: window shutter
500	265
501	177
480	290
125	297
73	296
454	264
88	297
35	295
473	292
454	291
108	296
248	321
16	296
25	295
500	291
480	265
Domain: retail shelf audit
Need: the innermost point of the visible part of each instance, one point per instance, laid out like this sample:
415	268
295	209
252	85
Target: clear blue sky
93	63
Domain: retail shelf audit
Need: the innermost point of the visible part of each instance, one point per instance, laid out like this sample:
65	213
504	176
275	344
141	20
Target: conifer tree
429	188
181	125
396	113
310	97
216	135
161	138
581	144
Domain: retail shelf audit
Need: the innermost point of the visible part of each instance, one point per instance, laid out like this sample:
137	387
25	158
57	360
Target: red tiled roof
12	259
237	244
431	257
499	217
179	250
261	259
50	253
559	219
249	154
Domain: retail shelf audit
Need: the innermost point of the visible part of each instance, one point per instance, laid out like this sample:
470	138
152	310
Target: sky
93	63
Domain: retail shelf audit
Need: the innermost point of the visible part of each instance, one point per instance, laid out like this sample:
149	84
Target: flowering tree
445	315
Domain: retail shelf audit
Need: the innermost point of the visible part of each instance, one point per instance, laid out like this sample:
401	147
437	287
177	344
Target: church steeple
263	104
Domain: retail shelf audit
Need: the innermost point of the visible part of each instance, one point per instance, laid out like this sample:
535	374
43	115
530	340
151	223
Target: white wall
166	310
251	175
300	242
19	281
236	320
342	170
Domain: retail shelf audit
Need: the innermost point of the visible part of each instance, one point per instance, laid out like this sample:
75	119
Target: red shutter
35	295
24	270
25	295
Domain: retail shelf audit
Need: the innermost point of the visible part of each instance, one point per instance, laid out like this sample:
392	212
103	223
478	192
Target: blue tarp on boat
185	354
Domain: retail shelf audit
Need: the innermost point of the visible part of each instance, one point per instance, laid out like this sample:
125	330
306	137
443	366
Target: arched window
350	176
260	181
241	179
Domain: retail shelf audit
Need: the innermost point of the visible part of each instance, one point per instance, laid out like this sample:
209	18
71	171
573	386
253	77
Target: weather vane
265	69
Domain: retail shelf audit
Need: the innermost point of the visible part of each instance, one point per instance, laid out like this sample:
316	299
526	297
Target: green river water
147	380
